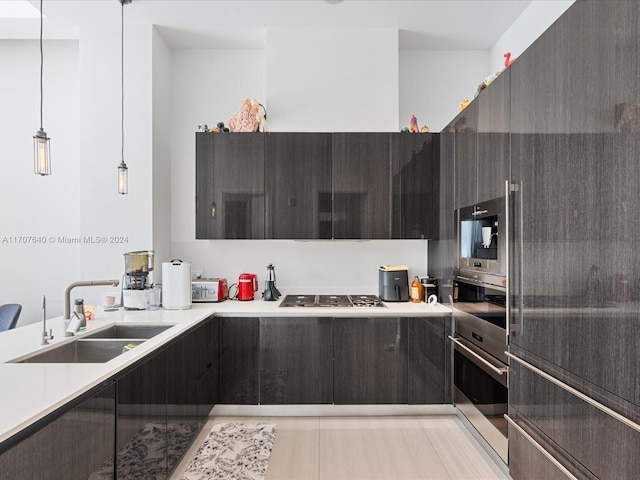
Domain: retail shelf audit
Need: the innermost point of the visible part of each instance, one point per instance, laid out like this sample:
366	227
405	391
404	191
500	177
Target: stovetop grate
331	301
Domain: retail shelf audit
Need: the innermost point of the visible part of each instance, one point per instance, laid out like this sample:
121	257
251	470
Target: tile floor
368	448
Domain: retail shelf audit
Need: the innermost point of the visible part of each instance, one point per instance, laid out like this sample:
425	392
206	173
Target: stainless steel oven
480	366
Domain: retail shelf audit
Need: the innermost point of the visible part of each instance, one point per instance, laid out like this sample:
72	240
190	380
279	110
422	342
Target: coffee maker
270	291
137	267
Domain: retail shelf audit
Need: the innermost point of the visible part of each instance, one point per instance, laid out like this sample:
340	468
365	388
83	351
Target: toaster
209	290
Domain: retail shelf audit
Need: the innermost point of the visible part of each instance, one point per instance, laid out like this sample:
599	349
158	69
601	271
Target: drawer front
608	358
530	458
602	445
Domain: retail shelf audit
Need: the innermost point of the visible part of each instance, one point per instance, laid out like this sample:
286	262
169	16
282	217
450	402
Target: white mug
432	300
486	237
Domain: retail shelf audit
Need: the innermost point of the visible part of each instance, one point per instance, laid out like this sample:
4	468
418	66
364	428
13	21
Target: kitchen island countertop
32	391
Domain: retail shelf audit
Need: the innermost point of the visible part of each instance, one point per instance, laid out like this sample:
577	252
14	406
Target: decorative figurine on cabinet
508	60
413	124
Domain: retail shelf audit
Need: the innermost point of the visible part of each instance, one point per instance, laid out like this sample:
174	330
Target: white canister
176	285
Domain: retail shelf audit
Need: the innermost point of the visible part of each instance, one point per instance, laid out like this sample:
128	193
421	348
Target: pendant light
123	171
41	152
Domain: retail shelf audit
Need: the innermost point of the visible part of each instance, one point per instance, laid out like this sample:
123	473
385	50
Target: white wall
306	266
332	80
537	17
34	206
79	201
124	221
434	83
161	178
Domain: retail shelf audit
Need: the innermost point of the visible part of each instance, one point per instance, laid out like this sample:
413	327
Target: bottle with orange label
416	290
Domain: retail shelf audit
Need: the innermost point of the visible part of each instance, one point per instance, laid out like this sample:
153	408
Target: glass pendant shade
123	178
41	153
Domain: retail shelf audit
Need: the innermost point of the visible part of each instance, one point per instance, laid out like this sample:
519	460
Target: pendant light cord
121	78
41	65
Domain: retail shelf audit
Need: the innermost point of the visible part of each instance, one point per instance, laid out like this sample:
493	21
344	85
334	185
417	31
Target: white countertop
236	308
31	391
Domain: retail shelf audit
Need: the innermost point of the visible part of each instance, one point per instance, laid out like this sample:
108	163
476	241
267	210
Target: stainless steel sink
81	351
132	332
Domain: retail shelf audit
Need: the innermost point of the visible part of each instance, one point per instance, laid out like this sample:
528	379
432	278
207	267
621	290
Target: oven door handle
493	368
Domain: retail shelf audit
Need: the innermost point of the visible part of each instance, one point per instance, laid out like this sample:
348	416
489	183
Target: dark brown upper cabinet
230	184
481	148
494	123
415	164
361	185
466	156
316	186
298	175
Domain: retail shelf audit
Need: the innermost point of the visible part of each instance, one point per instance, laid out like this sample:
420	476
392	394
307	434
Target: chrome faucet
88	283
45	336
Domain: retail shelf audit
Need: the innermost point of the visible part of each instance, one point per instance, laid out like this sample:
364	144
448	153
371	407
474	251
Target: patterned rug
233	451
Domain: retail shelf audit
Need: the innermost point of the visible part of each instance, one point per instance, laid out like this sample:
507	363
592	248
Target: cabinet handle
499	371
542	450
204	371
576	393
507	256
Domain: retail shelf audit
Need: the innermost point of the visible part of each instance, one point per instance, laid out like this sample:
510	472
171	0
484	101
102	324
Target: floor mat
233	451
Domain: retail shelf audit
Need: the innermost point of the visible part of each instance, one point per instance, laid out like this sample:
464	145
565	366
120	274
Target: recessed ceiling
422	24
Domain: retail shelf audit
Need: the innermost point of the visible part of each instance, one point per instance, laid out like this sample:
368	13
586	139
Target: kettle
270	293
247	286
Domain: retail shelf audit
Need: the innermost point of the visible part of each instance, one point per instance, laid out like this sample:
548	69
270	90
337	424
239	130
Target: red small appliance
247	286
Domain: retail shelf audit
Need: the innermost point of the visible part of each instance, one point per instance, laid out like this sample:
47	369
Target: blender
137	266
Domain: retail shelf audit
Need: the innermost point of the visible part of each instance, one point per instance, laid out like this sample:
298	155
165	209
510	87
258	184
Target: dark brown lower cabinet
73	443
207	372
182	393
428	366
342	360
239	356
296	360
159	409
141	442
584	439
532	462
370	360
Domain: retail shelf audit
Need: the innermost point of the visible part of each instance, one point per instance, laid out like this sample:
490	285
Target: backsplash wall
329	266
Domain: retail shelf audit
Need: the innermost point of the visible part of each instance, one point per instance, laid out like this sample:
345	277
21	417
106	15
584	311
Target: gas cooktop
331	301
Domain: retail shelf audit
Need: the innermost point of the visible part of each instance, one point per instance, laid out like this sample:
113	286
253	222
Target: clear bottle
416	290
